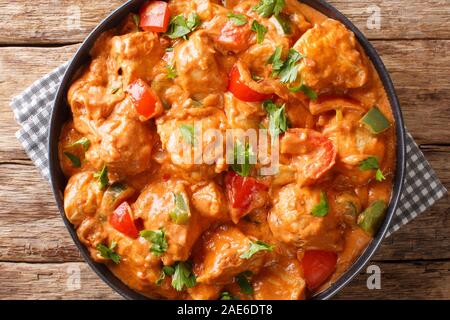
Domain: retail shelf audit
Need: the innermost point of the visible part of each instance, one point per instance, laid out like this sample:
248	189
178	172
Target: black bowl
61	114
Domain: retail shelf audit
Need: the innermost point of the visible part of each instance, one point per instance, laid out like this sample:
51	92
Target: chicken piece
91	233
354	143
281	280
136	54
124	144
82	197
291	221
204	292
180	132
242	115
156	206
332	59
198	71
209	200
217	256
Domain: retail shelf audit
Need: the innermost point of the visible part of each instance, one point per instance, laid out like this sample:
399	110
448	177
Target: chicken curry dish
219	226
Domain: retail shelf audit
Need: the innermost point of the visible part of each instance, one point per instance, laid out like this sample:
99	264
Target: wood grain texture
37	255
57	281
31	23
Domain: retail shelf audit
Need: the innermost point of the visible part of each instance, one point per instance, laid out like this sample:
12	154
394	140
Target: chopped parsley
188	133
255	246
227	296
283	21
76	162
238	18
260	31
108	253
102	177
278	122
84	142
242	154
171	71
310	93
158	240
321	209
371	163
267	8
244	283
180	26
180	213
165	271
286	70
183	276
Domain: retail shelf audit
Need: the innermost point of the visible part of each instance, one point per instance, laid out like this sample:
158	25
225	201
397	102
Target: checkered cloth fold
32	110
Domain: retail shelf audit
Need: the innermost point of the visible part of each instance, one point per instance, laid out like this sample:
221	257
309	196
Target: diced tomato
242	91
312	153
234	38
143	98
318	266
241	189
122	221
155	16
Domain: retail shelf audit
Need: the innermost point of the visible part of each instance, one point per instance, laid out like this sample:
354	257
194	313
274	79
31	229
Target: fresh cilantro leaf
379	176
102	177
310	93
371	163
183	276
286	70
136	20
284	22
158	240
85	142
278	122
267	8
242	155
171	71
227	296
237	18
180	26
321	209
76	162
188	133
165	271
244	283
108	253
169	49
180	214
255	247
260	31
276	61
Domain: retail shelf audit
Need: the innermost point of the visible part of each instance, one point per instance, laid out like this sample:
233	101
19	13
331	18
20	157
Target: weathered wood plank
70	21
413	280
419	70
31	229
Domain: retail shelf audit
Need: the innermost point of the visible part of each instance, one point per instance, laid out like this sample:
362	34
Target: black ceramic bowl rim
61	113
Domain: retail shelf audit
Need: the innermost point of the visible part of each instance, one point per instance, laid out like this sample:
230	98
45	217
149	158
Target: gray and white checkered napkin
32	110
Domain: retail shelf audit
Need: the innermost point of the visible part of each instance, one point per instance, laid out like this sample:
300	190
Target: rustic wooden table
38	260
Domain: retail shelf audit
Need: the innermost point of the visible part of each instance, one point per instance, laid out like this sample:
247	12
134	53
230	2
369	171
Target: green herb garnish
165	271
321	209
108	253
267	8
284	22
76	162
158	240
227	296
188	133
371	163
256	246
102	177
171	71
180	213
183	276
278	122
242	154
244	283
180	26
310	93
237	18
85	142
260	31
136	20
286	70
